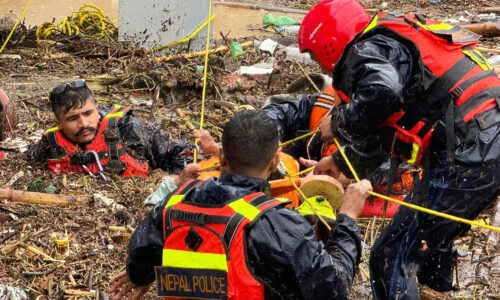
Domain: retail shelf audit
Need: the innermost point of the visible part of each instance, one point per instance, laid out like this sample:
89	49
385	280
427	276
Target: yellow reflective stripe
52	129
283	200
174	200
322	207
482	63
436	27
414	153
488	66
118	106
372	24
243	208
193	260
114	115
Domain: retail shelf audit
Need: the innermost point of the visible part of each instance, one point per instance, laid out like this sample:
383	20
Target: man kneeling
226	238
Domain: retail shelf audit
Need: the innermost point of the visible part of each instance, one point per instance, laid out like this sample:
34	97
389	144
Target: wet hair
249	141
71	98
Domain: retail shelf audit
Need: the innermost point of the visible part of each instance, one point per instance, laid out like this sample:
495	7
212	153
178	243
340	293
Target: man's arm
376	75
40	151
145	247
292	116
284	254
154	144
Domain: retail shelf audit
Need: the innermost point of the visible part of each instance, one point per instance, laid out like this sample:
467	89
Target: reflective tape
193	260
414	154
174	200
52	129
243	208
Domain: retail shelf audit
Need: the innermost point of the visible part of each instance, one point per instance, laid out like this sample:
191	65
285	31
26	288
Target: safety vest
69	157
204	252
457	83
317	149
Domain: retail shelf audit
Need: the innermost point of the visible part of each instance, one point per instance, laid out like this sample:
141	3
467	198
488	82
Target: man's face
324	70
80	124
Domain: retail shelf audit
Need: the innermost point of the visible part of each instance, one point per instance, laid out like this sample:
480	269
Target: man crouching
227	239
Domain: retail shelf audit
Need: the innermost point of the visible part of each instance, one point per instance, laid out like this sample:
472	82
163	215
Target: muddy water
40	11
229	19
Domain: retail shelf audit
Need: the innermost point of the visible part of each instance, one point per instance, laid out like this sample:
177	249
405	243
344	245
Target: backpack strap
250	210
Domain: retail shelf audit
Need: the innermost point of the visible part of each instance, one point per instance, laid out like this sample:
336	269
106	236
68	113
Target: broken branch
40	198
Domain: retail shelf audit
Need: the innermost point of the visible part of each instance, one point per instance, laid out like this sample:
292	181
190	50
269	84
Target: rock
102	201
494	60
11	56
12	293
15	178
258	69
268	45
292	53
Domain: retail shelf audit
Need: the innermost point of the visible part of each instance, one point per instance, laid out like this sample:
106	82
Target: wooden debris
486	29
41	198
200	53
494	9
426	293
181	115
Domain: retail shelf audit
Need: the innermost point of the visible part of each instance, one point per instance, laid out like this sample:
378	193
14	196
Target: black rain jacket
282	248
380	75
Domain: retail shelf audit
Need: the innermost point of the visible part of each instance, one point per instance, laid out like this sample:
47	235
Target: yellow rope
415	207
202	119
298	138
89	20
303	172
15	25
309	202
184	40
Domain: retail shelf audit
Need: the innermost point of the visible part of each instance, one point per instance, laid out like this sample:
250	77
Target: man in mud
90	139
245	242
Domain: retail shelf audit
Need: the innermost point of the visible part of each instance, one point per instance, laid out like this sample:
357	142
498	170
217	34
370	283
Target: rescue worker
416	89
295	118
121	143
226	239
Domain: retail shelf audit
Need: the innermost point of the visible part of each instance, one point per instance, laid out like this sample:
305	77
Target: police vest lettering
203	254
454	76
69	157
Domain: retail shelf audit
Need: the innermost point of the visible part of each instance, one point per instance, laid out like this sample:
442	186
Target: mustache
92	129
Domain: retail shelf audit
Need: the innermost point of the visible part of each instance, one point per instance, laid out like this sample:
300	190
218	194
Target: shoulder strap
250	210
56	150
177	197
117	111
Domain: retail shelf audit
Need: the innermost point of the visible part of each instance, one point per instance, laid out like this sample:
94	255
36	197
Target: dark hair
71	98
249	140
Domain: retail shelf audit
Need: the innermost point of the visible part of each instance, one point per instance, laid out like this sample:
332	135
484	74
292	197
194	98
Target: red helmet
329	27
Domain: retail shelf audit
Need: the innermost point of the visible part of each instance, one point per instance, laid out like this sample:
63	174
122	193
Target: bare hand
126	288
326	166
325	129
307	162
190	171
354	198
206	142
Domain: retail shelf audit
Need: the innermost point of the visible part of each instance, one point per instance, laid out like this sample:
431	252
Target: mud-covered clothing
292	119
282	250
381	73
142	140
